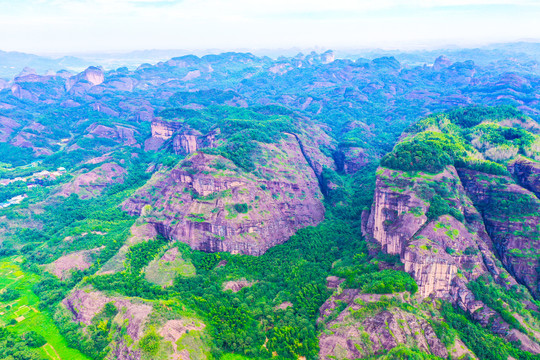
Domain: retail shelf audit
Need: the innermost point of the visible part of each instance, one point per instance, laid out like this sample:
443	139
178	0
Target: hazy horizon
101	26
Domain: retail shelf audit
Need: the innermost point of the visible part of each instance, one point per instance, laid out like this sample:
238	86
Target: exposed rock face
351	159
444	254
92	183
79	260
432	251
441	62
165	129
162	271
184	139
236	286
392	210
174	330
7	125
93	75
123	134
511	215
189	141
86	304
311	140
19	92
139	233
211	205
327	57
351	336
527	173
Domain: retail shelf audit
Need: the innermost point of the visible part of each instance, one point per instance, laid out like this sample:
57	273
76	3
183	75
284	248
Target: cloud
63	25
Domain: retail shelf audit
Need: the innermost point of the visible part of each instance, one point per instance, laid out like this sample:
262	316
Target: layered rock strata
210	204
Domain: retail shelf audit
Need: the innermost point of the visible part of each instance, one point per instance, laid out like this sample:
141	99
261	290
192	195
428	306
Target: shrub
10	295
241	208
384	282
150	343
34	340
428	151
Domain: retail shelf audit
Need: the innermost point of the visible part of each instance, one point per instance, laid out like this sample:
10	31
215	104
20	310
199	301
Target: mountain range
236	206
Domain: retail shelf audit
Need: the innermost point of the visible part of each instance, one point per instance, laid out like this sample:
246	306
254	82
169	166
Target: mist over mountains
12	63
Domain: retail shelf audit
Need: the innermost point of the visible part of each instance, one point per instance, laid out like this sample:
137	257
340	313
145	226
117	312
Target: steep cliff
452	228
511	215
527	172
211	204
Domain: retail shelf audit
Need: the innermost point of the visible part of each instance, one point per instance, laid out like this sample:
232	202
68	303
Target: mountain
451	207
234	206
12	63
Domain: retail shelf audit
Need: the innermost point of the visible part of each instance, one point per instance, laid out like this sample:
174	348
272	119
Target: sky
73	26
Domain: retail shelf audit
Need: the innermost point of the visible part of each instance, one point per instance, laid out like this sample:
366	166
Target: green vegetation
503	301
458	138
15	155
150	343
162	272
439	206
430	152
471	116
141	254
482	342
26	332
250	323
241	130
241	208
402	352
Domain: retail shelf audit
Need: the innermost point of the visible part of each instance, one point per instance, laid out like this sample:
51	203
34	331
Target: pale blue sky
59	26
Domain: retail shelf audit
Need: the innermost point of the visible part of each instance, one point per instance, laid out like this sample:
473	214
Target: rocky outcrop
132	316
445	253
511	215
92	183
92	75
394	209
210	204
79	260
528	174
21	93
165	129
7	125
351	159
441	62
354	333
237	285
188	141
184	139
119	133
175	330
434	251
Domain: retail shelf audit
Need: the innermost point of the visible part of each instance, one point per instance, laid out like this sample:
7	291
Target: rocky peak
352	335
93	75
185	140
27	71
327	57
386	62
443	253
441	62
